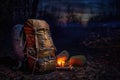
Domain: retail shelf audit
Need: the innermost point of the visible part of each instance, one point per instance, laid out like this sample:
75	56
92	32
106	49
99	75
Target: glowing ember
61	61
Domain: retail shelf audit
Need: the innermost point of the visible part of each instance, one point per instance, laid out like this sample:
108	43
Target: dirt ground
93	70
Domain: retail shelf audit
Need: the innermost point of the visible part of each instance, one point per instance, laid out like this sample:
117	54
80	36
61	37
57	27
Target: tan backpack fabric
38	45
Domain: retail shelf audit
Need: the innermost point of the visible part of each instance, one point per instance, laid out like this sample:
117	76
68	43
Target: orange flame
61	61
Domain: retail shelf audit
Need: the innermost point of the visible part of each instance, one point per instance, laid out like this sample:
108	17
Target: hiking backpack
37	45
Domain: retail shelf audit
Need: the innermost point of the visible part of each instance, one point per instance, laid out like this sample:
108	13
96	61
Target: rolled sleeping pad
17	47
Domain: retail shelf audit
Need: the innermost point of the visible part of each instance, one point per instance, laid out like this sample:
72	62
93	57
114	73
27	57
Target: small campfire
62	61
65	63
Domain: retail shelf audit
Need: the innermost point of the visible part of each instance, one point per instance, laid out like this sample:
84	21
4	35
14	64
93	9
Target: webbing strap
36	41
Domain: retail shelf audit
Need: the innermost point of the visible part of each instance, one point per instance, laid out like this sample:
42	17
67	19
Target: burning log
65	68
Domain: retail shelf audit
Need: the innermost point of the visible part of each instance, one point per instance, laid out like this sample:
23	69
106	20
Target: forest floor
97	69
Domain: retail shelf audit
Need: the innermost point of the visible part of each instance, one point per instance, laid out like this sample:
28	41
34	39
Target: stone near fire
64	53
78	60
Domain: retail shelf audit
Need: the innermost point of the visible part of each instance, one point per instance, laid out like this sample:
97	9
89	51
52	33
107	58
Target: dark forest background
99	35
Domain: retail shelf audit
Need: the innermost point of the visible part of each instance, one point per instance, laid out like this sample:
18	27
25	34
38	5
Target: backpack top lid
39	24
